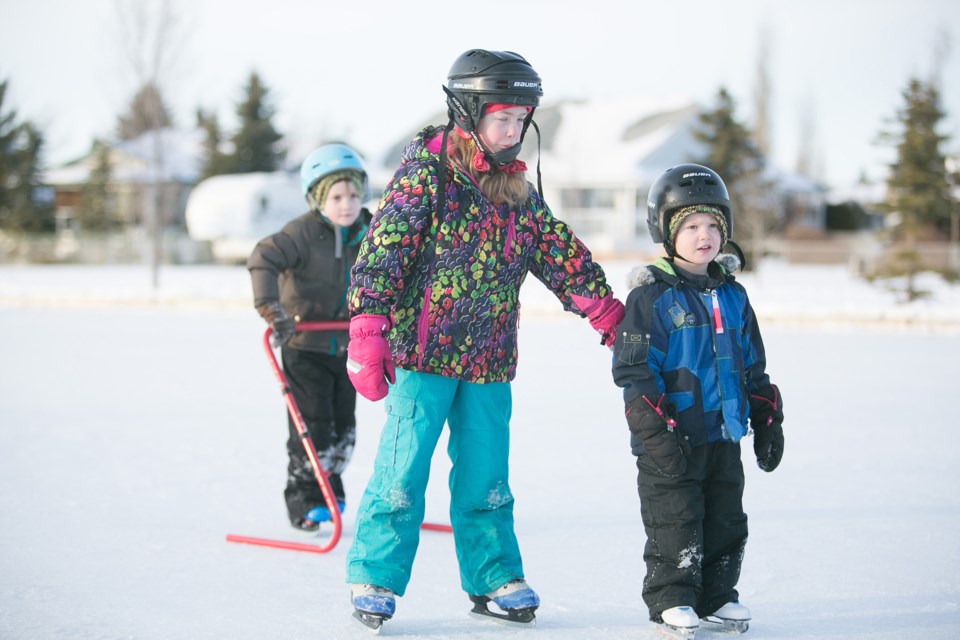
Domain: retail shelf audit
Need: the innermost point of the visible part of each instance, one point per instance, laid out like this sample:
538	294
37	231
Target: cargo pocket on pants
396	440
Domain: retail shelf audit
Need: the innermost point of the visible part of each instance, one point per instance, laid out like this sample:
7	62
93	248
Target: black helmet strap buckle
458	112
459	115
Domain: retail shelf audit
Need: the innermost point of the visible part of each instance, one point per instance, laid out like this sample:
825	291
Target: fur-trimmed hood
643	275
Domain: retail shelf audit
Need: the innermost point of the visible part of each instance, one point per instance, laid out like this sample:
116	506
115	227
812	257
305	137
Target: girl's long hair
500	187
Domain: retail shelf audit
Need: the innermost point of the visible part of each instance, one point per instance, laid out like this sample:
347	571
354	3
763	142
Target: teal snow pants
387	530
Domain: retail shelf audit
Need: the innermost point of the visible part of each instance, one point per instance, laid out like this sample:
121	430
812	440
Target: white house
169	159
599	158
232	212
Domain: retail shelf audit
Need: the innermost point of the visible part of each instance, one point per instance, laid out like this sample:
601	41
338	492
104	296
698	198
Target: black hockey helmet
682	186
479	77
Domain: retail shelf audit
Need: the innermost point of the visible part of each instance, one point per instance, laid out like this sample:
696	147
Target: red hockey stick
318	470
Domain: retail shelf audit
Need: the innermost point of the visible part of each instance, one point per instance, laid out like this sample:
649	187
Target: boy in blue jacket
691	363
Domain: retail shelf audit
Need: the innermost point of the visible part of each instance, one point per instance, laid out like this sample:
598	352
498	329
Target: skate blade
725	625
526	623
678	633
369	622
520	618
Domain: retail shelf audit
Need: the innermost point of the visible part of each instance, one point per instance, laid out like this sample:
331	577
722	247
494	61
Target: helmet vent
686	183
710	181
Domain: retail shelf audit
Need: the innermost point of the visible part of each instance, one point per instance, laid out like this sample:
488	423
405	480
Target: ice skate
315	517
372	605
679	622
517	601
732	617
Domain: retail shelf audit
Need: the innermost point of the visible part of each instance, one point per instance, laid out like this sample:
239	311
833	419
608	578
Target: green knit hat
323	185
681	214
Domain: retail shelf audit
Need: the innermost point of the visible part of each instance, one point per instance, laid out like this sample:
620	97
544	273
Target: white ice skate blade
371	623
678	633
725	625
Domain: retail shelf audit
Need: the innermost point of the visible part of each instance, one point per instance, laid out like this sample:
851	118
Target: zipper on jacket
423	322
717	318
718	330
423	325
511	235
713	310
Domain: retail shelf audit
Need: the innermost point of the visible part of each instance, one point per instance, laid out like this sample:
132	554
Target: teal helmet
330	158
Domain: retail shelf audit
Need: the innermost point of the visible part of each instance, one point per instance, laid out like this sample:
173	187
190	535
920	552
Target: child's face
342	204
698	241
502	129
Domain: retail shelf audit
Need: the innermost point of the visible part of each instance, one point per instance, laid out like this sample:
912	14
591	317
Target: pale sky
369	70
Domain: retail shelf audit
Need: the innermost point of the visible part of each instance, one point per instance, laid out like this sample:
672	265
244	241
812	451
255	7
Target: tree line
25	202
919	182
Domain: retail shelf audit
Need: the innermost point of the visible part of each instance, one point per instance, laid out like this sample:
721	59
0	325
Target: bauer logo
696	174
463	85
530	85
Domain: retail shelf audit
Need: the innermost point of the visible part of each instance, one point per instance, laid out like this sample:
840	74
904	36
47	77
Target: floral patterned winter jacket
450	280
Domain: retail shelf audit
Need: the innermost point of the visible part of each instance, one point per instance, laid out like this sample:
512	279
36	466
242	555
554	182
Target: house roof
180	155
602	141
615	141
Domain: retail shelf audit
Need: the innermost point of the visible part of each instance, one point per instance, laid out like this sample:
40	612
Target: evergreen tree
257	143
730	148
215	162
21	206
96	209
147	112
918	187
732	153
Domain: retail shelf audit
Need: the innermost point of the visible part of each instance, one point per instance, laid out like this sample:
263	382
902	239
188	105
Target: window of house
587	198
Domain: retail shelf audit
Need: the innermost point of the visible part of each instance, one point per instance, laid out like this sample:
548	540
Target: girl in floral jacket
434	301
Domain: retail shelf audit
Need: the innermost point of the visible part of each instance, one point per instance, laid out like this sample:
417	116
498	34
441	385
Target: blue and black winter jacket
696	340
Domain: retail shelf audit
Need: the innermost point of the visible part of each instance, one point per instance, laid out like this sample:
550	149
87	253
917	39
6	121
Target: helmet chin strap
501	158
672	252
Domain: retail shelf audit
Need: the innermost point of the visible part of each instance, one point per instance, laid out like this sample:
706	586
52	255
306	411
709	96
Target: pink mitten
604	315
369	361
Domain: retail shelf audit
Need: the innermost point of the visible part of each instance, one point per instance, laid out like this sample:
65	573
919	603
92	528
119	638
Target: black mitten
768	445
283	325
766	419
657	428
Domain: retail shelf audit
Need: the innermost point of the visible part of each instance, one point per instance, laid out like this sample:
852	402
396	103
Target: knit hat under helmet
676	220
323	185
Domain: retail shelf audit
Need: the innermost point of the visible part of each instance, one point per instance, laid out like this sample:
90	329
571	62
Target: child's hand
283	326
766	419
604	314
369	360
654	423
768	445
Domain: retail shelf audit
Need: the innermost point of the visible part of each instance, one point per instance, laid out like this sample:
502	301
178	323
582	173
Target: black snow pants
696	530
327	403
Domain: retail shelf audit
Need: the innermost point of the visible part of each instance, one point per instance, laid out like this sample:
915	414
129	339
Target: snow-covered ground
138	428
